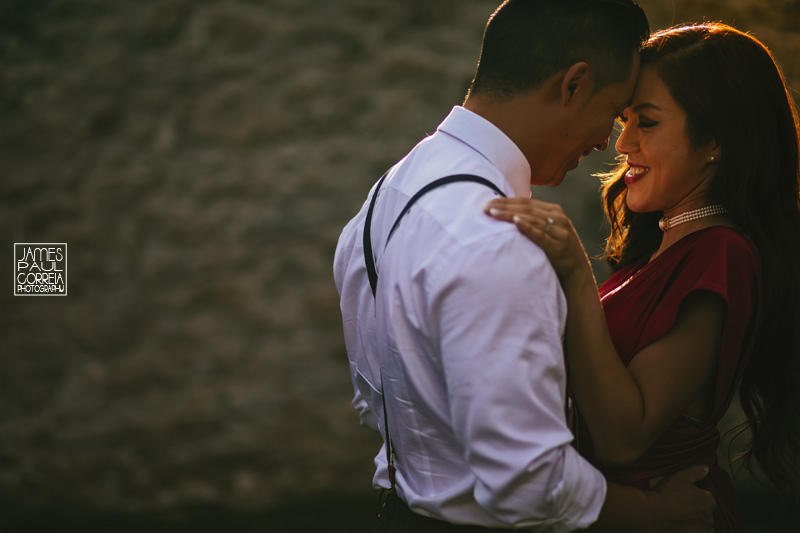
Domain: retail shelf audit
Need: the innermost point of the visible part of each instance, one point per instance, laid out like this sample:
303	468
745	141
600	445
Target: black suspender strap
438	183
389	448
369	257
372	272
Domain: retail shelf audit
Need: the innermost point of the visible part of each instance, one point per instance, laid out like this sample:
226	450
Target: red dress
641	304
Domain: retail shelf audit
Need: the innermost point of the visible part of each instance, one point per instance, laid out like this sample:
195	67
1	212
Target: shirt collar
487	139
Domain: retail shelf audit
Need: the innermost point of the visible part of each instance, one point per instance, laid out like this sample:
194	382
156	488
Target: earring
713	158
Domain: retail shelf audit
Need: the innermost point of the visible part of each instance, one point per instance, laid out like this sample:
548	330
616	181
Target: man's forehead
621	91
626	95
622	96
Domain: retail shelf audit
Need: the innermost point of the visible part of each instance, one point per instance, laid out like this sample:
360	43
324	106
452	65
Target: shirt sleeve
501	315
723	263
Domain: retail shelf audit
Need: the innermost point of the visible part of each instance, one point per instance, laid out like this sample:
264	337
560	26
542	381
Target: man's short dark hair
528	41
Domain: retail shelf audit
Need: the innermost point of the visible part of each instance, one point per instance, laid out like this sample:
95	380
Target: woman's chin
636	207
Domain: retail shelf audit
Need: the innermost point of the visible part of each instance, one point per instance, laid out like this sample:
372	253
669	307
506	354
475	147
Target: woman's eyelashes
642	122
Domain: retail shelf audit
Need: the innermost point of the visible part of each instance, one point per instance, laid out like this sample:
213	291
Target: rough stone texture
200	159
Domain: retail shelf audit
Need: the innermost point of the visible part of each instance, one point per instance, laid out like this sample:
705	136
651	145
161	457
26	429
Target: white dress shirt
467	324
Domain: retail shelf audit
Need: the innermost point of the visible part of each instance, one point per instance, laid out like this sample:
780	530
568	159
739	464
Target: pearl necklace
667	224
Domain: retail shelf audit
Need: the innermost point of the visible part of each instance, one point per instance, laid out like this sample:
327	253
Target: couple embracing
510	392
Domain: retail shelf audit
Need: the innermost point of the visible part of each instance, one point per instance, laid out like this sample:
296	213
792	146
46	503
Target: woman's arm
625	409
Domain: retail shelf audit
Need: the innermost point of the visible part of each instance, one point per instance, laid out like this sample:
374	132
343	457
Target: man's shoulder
483	249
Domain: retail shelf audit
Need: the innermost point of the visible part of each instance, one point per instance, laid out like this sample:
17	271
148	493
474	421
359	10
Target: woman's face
665	172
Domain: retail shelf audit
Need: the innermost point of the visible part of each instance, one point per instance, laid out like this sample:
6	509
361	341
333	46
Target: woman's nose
624	143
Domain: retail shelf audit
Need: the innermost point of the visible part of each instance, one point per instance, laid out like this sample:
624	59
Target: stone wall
200	158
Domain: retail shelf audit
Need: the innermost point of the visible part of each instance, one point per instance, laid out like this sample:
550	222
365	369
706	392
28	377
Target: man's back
466	323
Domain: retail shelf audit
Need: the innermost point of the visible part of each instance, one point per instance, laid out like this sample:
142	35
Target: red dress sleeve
726	263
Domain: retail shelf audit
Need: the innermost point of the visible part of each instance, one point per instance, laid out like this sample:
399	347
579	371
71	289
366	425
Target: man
459	329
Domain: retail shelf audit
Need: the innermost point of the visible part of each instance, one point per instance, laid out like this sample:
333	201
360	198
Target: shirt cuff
579	496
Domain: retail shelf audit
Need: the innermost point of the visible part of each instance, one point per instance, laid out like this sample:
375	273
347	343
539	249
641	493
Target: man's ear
575	82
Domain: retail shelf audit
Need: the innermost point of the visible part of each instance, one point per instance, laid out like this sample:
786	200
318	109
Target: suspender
372	272
369	257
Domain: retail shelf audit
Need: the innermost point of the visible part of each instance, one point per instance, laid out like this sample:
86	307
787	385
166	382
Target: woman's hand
546	225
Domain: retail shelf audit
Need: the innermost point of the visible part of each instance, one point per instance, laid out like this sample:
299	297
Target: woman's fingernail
517	220
487	206
495	212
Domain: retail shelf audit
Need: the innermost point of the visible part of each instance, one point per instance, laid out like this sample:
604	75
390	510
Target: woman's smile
635	173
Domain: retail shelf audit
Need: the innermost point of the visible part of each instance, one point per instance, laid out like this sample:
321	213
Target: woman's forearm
608	398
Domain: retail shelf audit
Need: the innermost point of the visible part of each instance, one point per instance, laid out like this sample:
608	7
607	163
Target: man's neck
514	117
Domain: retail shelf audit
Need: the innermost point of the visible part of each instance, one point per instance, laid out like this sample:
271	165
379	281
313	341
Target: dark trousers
394	516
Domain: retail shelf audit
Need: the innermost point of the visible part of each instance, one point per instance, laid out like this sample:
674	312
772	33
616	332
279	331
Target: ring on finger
550	222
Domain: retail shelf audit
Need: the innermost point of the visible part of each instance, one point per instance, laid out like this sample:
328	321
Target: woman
705	245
